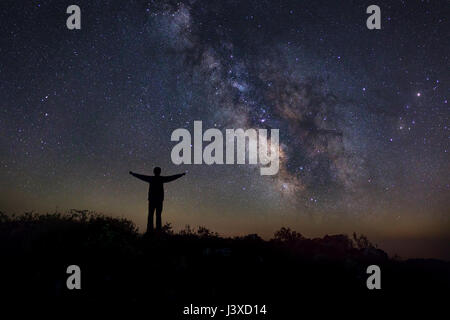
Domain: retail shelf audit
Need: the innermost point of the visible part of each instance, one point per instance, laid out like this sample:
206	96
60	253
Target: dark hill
166	271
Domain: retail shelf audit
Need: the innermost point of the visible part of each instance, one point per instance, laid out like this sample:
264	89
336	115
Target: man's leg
151	210
159	207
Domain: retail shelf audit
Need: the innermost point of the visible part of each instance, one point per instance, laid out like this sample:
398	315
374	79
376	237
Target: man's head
157	171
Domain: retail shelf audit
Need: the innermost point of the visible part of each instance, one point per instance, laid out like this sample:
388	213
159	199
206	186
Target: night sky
363	114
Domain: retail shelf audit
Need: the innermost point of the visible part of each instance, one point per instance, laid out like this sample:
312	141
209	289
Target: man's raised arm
141	176
174	177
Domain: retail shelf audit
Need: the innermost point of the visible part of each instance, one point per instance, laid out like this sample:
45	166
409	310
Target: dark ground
164	272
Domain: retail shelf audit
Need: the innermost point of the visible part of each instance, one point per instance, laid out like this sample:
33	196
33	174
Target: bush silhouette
169	269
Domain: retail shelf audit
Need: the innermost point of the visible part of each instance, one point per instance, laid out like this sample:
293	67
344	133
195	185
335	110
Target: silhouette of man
155	194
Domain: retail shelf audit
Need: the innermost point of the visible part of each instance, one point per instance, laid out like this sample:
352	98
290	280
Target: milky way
252	83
